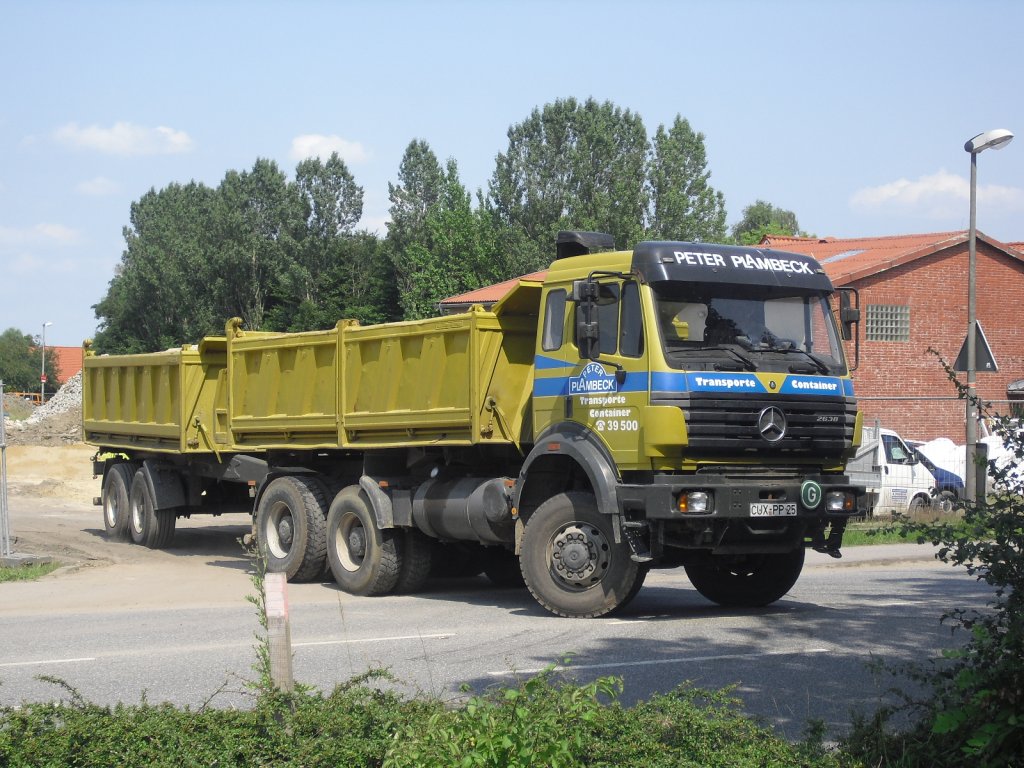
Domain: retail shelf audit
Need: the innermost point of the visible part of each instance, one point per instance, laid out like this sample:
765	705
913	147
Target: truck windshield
726	327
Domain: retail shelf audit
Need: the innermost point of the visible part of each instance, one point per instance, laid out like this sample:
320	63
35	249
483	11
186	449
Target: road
175	626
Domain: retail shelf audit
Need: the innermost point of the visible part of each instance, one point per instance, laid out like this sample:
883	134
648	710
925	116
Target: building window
888	322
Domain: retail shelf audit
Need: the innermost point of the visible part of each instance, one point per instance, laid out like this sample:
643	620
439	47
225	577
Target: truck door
606	395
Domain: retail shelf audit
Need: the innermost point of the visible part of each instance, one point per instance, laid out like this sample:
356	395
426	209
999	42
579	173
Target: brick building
913	294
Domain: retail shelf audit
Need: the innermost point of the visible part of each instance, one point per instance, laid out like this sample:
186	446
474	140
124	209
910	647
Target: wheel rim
137	515
579	556
280	530
350	542
112	510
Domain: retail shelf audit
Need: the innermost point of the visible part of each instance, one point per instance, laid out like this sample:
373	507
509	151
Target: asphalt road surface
128	623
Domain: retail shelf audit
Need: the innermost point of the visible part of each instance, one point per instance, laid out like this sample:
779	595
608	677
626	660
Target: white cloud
100	186
318	145
41	234
937	196
125	139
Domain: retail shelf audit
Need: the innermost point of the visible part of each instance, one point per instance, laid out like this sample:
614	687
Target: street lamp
996	139
42	369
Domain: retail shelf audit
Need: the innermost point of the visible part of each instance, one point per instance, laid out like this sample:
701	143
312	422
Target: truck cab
701	394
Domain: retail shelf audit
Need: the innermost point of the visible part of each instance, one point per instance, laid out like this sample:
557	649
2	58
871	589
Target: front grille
728	423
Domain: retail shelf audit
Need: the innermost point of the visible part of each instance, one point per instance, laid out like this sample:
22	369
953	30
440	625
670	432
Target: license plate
773	509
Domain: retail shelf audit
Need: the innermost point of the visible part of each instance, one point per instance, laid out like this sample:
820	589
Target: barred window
888	322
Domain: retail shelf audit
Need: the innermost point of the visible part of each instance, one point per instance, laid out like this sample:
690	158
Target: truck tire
147	525
291	528
570	560
116	503
502	567
746	581
364	559
417	556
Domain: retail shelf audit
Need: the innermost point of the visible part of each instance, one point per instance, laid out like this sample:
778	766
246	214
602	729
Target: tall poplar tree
684	206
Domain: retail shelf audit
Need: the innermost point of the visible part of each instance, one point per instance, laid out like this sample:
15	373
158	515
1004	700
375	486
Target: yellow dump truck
680	404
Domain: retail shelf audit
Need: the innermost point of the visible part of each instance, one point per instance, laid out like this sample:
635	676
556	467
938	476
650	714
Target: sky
853	115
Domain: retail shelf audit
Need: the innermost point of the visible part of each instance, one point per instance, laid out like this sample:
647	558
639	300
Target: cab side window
620	319
554	321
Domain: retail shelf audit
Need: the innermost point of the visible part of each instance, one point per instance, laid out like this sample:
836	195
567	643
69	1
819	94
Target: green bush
540	722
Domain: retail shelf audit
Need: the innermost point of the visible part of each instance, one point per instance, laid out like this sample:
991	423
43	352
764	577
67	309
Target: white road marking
44	661
371	640
654	662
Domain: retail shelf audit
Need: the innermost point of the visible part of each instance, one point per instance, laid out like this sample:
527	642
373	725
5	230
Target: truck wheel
746	581
116	505
147	525
570	560
416	558
364	559
502	567
291	528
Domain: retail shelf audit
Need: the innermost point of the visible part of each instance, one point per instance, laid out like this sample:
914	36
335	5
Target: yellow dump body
164	401
456	380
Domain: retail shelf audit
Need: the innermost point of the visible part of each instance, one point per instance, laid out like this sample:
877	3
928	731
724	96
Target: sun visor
710	263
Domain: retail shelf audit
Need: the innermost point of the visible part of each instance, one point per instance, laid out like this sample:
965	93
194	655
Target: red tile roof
69	361
844	259
848	259
489	293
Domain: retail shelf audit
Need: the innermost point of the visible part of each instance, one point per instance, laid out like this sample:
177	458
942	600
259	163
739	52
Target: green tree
160	295
684	206
332	204
438	244
571	166
20	363
259	219
762	218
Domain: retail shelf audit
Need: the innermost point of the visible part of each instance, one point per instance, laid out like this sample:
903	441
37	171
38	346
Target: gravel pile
59	421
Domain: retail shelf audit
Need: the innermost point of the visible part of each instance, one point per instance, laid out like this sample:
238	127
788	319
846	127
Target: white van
897	482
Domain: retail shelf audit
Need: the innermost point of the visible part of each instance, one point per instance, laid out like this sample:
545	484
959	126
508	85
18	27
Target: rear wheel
116	502
147	525
570	560
364	559
291	528
746	581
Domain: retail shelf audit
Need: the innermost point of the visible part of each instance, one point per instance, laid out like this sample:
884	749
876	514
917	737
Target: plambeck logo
592	380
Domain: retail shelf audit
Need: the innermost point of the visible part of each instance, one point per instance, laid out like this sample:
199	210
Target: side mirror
585	294
849	314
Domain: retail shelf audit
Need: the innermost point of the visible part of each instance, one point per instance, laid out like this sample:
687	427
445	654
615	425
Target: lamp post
42	369
996	139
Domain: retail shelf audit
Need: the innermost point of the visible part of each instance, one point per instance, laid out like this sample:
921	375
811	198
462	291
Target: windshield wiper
748	364
820	364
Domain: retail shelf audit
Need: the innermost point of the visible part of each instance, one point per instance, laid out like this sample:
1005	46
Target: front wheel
746	581
570	560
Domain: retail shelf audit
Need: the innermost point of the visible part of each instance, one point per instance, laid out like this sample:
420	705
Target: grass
27	572
890	531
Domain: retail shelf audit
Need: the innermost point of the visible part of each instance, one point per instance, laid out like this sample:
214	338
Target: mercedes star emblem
772	424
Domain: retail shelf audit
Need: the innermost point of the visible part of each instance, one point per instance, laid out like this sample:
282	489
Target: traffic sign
984	360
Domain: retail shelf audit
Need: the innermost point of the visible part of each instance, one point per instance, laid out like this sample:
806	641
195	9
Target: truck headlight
839	501
695	503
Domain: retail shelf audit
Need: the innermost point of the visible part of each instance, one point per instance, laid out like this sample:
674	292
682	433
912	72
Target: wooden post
279	636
